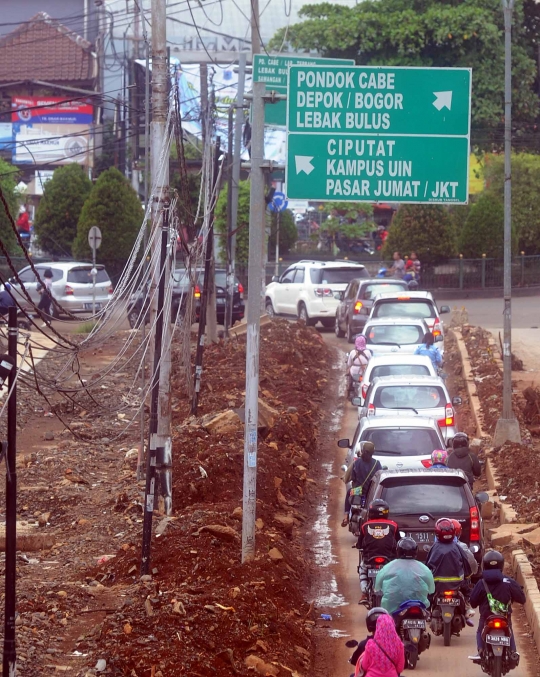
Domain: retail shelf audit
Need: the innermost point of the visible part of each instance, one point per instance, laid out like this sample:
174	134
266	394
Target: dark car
355	306
418	498
180	290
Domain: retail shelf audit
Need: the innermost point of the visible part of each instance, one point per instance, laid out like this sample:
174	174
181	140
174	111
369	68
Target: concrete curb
521	567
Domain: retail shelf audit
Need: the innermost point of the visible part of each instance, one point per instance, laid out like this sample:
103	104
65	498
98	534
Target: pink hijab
360	342
387	637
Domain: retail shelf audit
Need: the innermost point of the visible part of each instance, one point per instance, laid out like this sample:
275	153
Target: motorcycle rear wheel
497	666
412	659
447	633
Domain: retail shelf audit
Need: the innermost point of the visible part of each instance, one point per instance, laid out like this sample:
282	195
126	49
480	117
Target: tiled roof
44	49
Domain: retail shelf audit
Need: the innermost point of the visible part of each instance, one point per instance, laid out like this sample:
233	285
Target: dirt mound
203	612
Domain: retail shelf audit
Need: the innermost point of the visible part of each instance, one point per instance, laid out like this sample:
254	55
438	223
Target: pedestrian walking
45	290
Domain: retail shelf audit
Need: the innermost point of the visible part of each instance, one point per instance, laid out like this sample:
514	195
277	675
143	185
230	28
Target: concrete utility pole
158	141
255	270
507	428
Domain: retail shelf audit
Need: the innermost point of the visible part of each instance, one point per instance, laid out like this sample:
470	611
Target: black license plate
220	302
409	623
448	601
424	536
372	573
501	640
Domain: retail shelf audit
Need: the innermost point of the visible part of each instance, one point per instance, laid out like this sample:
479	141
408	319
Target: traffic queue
410	504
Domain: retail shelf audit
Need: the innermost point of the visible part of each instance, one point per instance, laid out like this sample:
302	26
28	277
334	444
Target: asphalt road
349	618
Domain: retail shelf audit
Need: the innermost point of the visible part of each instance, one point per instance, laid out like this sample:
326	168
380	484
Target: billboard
38	144
51	110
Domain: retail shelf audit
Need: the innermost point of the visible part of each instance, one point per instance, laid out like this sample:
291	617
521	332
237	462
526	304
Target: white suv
311	290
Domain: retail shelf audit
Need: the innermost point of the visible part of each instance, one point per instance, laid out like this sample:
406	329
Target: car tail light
358	307
497	623
371	410
197	292
323	292
404	298
448	419
69	290
379	560
475	525
365	387
241	290
426	462
436	329
110	289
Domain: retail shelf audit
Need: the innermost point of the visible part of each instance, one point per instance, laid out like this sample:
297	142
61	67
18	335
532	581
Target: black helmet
372	615
378	509
407	548
460	440
493	560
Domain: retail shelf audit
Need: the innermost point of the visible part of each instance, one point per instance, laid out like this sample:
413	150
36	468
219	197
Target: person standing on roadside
398	268
416	265
462	458
45	290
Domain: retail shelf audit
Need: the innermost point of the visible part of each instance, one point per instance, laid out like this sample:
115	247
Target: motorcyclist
360	473
446	559
357	360
378	538
428	349
462	458
371	622
404	578
494	593
469	613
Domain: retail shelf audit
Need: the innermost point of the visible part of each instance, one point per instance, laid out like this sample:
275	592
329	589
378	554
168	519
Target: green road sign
378	134
274	71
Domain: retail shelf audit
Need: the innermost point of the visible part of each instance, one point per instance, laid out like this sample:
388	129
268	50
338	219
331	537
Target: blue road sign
279	202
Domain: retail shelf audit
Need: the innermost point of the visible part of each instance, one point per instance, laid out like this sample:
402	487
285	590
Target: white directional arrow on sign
444	99
303	164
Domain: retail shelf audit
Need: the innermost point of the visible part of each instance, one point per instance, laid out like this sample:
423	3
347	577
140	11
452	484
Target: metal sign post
279	204
378	134
94	240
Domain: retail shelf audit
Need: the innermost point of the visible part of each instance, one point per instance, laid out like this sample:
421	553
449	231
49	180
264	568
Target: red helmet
445	530
457	527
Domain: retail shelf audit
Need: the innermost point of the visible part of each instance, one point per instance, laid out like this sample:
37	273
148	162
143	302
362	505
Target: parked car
181	287
396	335
411	304
310	290
356	303
418	498
420	395
71	286
400	441
395	364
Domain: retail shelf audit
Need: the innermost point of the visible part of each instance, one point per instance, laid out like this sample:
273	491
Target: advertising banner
51	110
51	144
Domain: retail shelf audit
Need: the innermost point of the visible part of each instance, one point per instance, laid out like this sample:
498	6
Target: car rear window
423	309
399	370
382	288
416	496
83	276
402	441
409	396
394	334
336	275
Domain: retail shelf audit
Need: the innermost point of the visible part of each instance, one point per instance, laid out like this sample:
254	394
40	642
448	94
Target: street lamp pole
507	428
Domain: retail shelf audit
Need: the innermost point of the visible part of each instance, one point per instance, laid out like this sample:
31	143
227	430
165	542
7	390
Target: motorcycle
373	566
411	619
497	658
448	614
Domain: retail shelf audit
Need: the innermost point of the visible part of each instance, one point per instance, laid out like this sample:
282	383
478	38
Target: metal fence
456	274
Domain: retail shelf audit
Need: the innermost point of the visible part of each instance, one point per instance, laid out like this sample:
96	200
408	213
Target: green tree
8	184
112	205
525	189
483	230
60	207
346	222
426	229
288	233
433	33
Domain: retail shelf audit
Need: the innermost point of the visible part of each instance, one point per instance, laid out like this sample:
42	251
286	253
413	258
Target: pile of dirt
203	612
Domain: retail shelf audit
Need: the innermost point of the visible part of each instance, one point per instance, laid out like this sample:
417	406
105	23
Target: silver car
396	335
71	286
401	442
406	395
